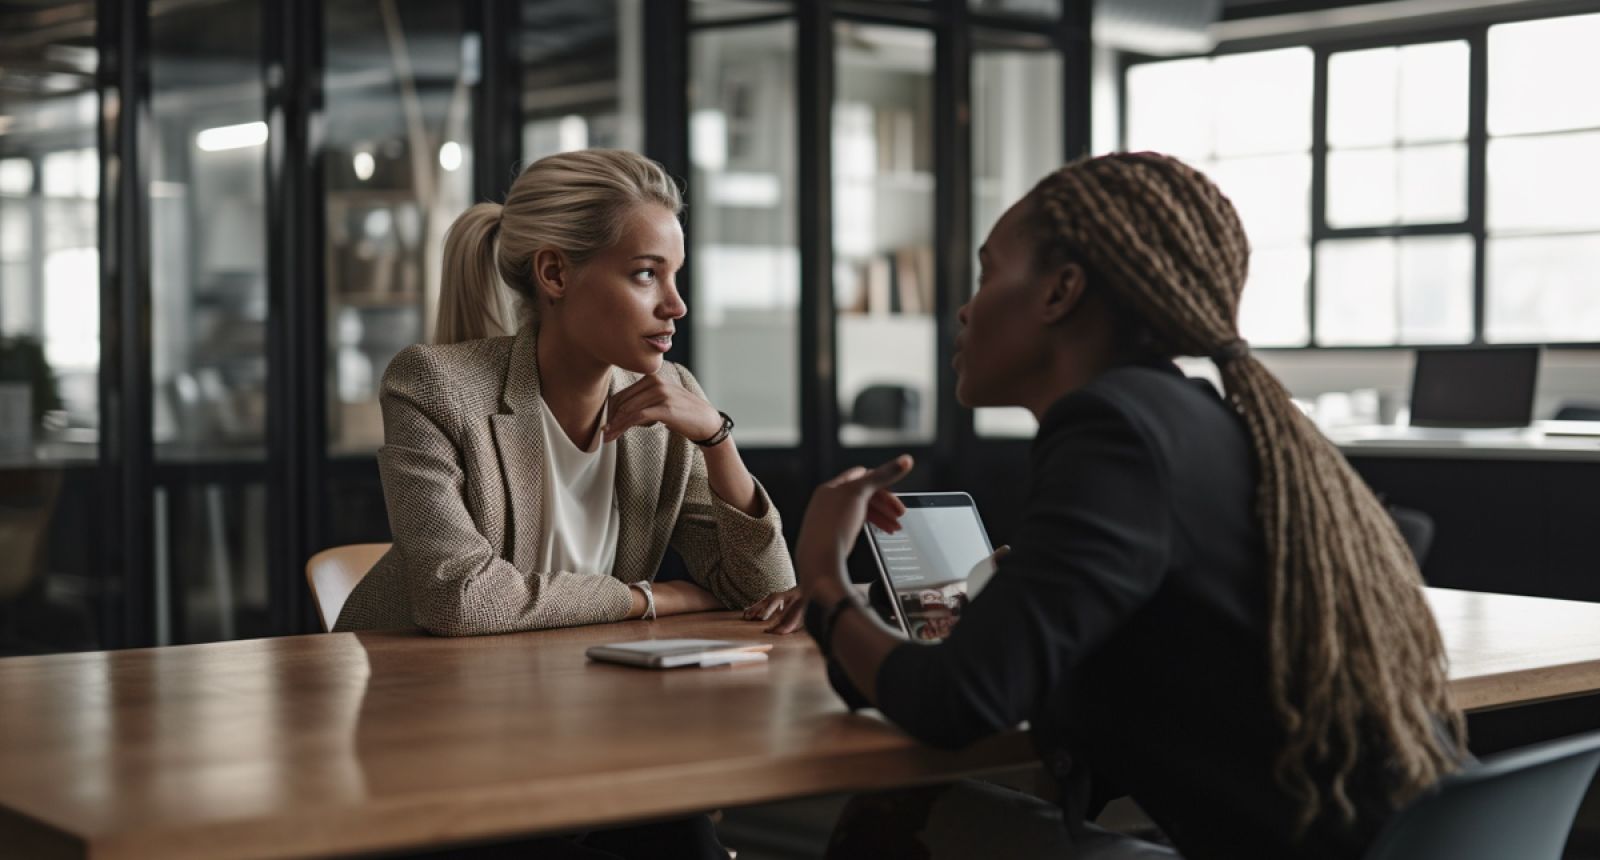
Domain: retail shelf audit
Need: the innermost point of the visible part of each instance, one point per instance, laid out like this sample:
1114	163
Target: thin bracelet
718	437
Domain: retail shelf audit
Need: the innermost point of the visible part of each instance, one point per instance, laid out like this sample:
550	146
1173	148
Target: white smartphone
672	653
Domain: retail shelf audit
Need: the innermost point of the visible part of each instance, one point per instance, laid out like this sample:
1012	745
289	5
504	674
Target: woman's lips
662	342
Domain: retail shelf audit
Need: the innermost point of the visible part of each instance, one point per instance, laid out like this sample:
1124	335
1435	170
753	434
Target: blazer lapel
519	440
640	454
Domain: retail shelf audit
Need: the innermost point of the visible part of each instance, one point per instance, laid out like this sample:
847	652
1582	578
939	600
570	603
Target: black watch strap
720	436
831	621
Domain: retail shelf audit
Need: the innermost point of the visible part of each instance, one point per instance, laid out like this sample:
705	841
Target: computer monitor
1474	386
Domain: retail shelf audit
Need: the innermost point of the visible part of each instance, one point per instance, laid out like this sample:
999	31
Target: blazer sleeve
738	557
458	585
1091	549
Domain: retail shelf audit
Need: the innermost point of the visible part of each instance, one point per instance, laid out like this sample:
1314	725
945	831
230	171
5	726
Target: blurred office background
219	220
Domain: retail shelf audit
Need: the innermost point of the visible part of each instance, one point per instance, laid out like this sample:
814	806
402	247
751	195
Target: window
1016	140
1391	256
1543	247
1245	120
745	254
883	233
397	168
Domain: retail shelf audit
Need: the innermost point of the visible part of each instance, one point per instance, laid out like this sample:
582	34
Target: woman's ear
550	271
1063	292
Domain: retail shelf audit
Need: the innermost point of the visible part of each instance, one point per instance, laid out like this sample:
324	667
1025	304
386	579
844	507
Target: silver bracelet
649	599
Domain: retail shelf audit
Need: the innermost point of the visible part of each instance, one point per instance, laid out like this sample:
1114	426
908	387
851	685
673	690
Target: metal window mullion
126	445
496	106
819	406
1477	171
1319	183
666	125
953	200
296	290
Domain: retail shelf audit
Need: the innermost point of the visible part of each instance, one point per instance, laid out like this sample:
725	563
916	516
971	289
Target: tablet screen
925	565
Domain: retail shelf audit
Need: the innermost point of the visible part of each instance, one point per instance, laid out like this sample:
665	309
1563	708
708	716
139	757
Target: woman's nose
672	306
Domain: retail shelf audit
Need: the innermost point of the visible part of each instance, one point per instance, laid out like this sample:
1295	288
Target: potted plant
27	391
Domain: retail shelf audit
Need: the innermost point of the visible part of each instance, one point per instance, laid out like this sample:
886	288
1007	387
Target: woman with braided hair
1204	607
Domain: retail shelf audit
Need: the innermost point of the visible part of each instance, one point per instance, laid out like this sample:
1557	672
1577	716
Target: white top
579	531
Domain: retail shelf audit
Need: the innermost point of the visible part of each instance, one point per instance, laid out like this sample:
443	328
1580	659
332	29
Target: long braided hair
1356	659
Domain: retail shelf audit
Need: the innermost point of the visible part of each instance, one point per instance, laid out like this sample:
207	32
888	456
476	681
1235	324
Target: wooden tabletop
319	745
1508	650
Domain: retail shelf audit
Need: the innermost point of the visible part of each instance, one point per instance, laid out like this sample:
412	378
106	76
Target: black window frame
1323	46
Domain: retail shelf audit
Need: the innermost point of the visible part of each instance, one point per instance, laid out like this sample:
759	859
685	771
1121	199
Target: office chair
1417	529
1578	412
887	407
1517	804
335	572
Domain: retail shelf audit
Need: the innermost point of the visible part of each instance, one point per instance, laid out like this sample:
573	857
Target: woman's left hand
657	399
788	606
834	519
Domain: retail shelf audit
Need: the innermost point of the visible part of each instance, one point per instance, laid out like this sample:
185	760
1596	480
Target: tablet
926	565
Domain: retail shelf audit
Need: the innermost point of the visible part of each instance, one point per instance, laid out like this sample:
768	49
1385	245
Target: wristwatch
649	599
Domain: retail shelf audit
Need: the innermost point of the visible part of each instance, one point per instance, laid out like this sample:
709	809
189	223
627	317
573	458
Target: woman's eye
645	276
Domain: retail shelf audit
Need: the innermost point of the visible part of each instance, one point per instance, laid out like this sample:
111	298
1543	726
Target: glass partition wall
55	593
938	116
219	221
206	162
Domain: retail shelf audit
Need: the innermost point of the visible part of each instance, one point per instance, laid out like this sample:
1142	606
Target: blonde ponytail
472	304
577	203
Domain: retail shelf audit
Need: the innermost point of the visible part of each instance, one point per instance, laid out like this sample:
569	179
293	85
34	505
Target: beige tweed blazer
463	479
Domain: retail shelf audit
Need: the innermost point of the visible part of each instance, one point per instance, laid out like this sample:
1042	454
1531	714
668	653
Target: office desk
316	745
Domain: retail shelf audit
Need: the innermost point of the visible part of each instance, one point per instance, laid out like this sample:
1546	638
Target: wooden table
318	745
1507	650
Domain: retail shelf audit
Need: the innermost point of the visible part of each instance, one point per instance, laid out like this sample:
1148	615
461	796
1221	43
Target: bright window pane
745	257
1272	311
1362	98
1541	75
16	176
1416	289
1263	102
1543	288
1544	183
1170	108
1435	289
72	309
1272	194
1362	188
1414	185
1433	184
1356	292
1433	92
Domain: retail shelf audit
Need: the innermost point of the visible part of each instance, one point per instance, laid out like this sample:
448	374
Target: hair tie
1232	350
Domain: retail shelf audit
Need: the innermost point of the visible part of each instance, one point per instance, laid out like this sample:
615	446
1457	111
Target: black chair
887	407
1417	528
1578	412
1518	804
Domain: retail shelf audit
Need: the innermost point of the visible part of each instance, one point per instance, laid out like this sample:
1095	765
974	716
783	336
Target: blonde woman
537	463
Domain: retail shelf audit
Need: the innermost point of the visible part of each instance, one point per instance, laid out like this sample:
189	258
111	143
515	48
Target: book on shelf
897	281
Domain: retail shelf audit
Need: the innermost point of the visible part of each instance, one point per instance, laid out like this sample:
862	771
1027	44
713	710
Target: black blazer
1128	625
